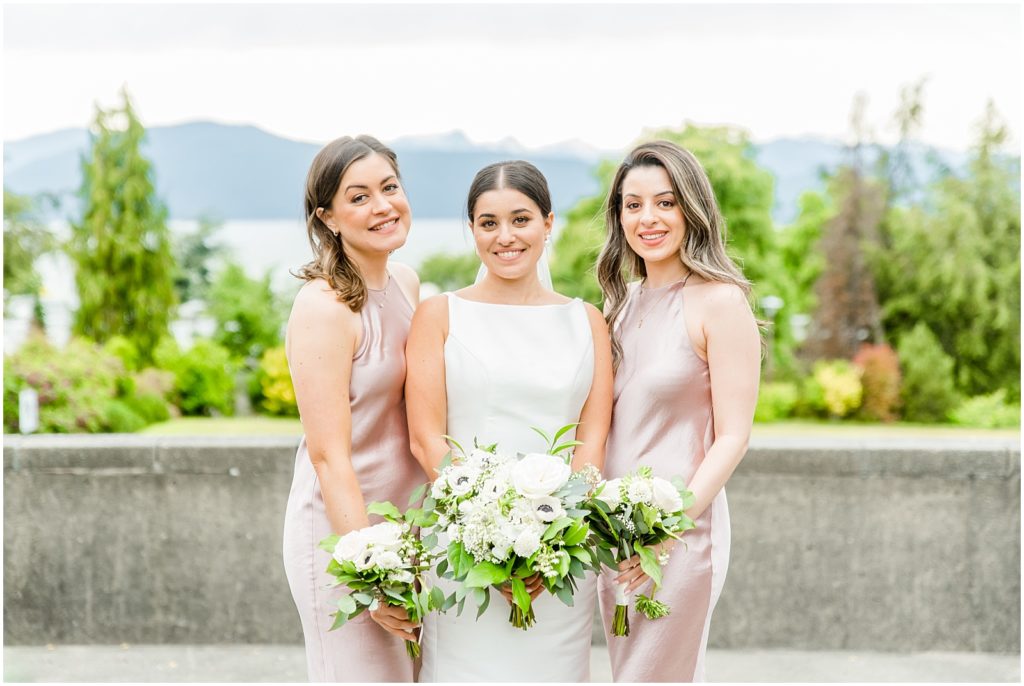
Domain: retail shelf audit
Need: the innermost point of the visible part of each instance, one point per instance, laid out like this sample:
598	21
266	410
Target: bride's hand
632	574
395	621
534	586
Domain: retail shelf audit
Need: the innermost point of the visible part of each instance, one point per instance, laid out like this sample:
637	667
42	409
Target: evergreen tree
121	248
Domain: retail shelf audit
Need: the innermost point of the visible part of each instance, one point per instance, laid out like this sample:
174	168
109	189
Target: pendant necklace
655	303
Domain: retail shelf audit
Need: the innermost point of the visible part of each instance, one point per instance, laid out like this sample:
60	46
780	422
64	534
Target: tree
579	243
954	265
249	315
450	272
194	254
121	247
26	238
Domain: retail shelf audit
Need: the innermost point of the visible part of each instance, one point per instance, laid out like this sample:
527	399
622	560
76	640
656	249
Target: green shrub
151	408
929	394
880	376
987	411
82	388
122	418
125	350
276	394
204	376
834	390
776	401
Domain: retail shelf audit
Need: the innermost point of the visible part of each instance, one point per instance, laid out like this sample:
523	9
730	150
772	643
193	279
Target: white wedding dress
509	368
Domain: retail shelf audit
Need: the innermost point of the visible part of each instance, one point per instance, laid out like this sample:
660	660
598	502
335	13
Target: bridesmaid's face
509	231
651	216
370	208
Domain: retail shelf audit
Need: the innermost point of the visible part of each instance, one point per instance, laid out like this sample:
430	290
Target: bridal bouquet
383	563
510	517
632	515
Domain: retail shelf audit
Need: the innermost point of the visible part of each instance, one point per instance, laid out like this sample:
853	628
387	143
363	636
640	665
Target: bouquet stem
413	649
620	624
522	620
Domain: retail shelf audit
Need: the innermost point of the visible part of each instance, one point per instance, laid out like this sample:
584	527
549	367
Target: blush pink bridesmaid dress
662	418
360	650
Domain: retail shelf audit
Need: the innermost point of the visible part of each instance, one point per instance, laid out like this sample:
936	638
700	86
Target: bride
489	362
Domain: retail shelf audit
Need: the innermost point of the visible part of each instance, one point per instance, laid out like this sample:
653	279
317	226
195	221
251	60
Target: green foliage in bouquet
384	563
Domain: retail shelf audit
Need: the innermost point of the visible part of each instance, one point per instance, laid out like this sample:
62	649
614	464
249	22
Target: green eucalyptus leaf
418	493
485	574
384	509
329	543
649	563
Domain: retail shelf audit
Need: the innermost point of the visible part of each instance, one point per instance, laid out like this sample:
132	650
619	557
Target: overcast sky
541	74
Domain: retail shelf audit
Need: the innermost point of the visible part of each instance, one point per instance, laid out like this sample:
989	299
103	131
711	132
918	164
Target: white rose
350	546
386	559
527	543
610	493
462	479
547	508
453	532
384	535
538	474
639	491
666	497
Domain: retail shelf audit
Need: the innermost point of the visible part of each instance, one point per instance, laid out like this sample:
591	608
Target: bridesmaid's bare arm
321	338
426	399
732	346
596	416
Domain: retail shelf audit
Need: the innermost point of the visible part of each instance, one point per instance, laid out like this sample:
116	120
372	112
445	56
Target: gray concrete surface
276	663
838	544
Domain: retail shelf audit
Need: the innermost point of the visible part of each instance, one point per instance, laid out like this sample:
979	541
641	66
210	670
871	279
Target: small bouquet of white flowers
631	516
510	517
384	563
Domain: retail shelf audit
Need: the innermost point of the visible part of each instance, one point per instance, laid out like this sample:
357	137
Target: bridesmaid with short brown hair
346	351
687	354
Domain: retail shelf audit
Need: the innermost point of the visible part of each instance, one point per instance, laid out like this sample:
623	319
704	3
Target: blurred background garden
147	272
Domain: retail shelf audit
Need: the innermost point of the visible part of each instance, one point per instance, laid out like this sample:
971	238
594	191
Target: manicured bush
204	376
880	376
987	411
81	388
276	395
776	401
834	390
928	394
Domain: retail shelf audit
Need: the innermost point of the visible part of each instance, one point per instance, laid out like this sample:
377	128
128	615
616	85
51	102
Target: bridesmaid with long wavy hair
686	349
346	351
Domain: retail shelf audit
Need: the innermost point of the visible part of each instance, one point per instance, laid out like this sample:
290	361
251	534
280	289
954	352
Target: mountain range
238	172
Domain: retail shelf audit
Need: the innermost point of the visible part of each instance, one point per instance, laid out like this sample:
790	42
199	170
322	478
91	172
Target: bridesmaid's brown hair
329	260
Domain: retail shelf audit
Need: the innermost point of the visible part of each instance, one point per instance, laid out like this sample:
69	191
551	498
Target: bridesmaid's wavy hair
703	247
329	259
518	175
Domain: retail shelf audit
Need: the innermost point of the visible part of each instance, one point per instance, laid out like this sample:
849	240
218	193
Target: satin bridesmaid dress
662	418
360	650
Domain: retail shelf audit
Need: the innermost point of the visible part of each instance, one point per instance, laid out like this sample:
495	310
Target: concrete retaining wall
837	544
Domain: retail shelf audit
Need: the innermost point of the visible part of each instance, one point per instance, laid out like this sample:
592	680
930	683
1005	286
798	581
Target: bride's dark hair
518	175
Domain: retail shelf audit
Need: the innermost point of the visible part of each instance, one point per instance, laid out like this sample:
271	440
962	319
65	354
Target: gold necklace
655	303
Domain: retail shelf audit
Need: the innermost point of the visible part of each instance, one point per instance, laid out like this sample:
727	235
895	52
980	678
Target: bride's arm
426	398
597	411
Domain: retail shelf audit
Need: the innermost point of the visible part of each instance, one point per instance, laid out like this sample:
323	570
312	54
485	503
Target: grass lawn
226	426
264	426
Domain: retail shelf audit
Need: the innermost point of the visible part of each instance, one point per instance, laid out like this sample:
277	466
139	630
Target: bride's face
509	230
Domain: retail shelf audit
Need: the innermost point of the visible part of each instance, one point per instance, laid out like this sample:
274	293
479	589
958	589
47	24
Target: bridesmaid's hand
632	574
395	621
534	586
